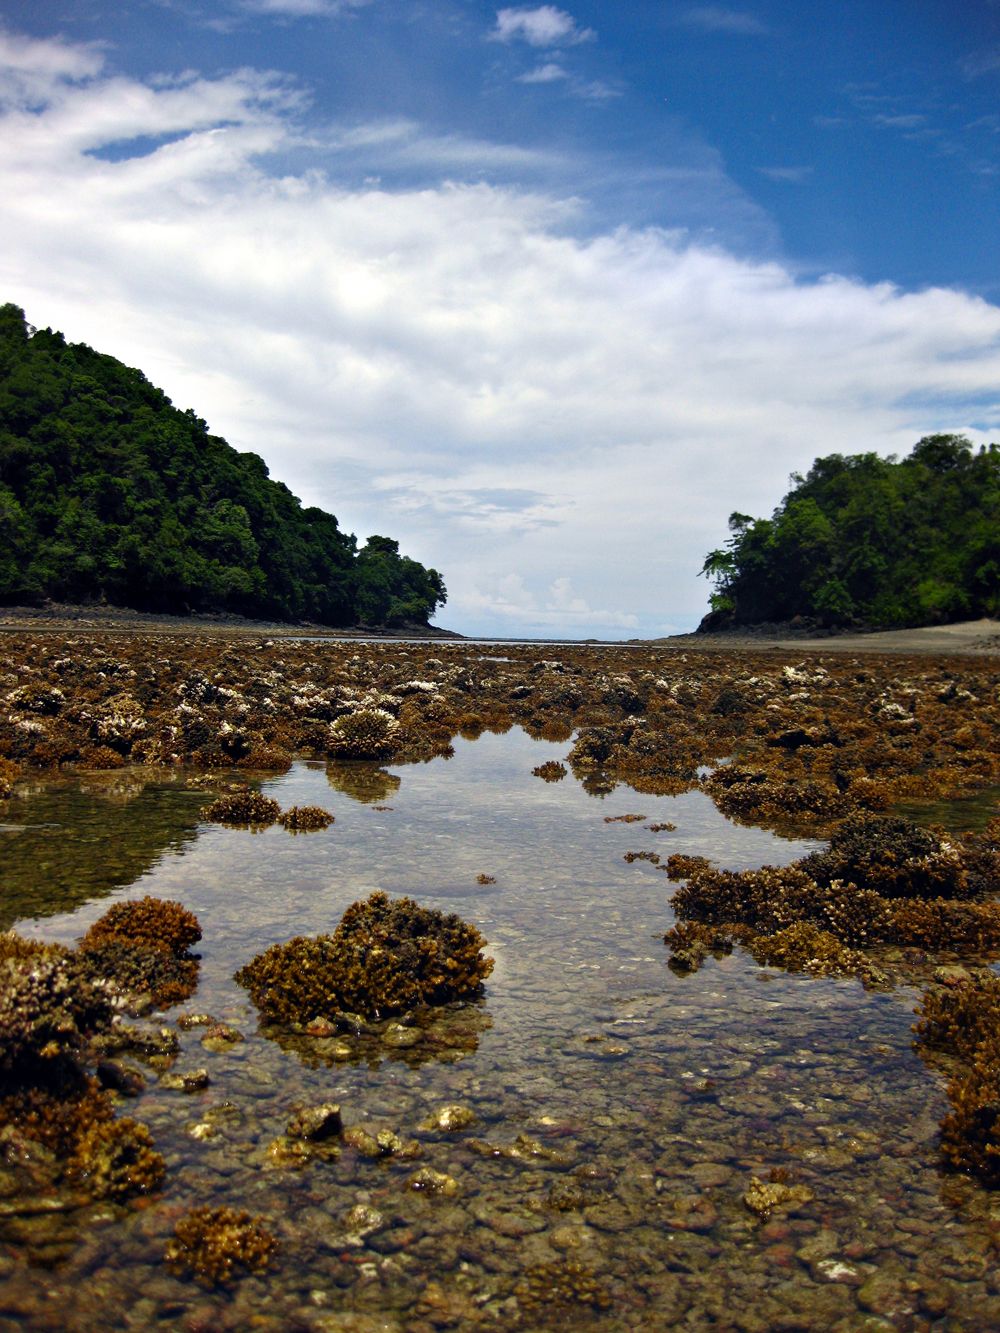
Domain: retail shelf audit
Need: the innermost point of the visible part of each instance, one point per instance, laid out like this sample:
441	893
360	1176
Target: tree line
110	493
865	540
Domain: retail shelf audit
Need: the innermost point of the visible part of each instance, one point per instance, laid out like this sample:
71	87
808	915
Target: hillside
110	493
869	541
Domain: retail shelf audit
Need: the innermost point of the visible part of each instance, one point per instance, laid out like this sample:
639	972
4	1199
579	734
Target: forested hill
108	492
865	540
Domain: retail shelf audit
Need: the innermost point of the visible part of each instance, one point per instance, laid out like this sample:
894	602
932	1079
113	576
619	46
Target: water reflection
368	783
71	841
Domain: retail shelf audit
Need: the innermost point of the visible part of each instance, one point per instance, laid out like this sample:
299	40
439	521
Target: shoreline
966	638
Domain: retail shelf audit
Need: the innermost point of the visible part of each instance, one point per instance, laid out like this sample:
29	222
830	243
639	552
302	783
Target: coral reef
550	771
303	818
385	957
908	886
692	942
115	1159
959	1024
57	1114
244	806
959	1017
216	1245
158	922
140	948
893	856
133	971
47	1011
369	733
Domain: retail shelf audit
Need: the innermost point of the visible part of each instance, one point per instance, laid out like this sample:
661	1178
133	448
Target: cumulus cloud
542	26
560	423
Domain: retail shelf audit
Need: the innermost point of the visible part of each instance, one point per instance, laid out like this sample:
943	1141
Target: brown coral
385	957
301	818
244	806
116	1159
158	922
369	733
214	1244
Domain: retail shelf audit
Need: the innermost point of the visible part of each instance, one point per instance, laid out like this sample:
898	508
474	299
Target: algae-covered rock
316	1123
386	957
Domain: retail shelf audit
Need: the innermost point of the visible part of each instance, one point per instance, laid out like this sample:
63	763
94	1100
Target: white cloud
559	610
548	73
786	175
33	70
404	143
542	26
560	424
717	18
302	8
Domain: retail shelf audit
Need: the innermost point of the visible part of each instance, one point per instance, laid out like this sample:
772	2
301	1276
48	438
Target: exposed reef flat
969	636
58	616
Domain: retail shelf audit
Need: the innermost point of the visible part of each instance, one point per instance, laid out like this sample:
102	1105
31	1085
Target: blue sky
544	291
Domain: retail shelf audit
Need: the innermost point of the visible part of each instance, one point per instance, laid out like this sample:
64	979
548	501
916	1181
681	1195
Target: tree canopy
110	493
866	540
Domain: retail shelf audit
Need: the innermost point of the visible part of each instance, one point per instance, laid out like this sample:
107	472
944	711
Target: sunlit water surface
653	1097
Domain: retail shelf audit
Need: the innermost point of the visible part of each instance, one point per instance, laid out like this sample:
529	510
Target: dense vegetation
870	541
108	492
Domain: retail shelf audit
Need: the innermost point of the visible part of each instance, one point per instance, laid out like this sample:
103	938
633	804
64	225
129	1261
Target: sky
543	292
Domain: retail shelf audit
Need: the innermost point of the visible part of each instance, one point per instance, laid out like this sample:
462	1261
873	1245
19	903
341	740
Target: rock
186	1021
448	1119
692	1212
429	1181
819	1246
568	1238
316	1123
709	1175
119	1077
321	1027
384	1143
837	1270
288	1154
400	1037
886	1293
362	1219
220	1037
511	1222
763	1197
192	1080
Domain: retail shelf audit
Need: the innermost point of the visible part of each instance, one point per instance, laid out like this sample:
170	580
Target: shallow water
650	1099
